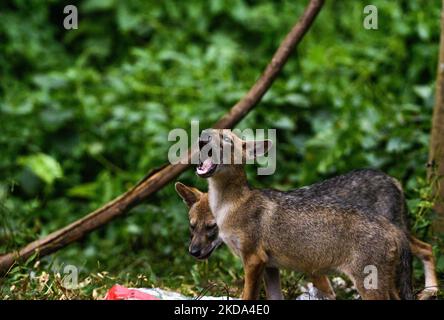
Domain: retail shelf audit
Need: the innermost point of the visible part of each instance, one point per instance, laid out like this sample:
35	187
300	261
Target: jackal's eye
210	226
192	226
212	233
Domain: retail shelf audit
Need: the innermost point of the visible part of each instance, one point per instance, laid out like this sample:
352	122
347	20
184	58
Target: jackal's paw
312	293
428	294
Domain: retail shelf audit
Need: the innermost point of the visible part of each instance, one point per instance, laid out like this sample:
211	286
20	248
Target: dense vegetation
85	114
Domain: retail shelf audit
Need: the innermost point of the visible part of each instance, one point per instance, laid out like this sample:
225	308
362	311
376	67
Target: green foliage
43	166
86	113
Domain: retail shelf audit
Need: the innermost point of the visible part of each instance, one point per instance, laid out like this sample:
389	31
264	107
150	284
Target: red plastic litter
118	292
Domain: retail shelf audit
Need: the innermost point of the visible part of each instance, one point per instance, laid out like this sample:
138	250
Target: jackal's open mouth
207	254
206	168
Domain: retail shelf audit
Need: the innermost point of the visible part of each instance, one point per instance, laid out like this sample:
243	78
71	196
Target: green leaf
86	190
97	5
440	264
43	166
396	144
297	100
284	122
424	92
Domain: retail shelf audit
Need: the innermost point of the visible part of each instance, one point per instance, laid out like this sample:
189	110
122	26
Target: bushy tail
405	272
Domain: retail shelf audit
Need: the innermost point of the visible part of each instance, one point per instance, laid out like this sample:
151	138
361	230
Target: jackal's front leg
254	269
273	284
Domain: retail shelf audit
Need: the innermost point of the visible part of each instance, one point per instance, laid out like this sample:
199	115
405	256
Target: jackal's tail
404	278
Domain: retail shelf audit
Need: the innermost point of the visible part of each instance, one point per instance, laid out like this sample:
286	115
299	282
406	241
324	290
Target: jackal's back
370	191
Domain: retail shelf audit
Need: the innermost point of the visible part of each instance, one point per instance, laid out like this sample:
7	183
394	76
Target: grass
48	280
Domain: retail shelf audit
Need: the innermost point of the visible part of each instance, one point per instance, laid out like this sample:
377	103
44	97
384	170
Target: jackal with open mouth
310	229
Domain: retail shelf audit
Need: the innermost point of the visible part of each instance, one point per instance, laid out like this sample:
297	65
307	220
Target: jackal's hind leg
383	289
323	284
424	252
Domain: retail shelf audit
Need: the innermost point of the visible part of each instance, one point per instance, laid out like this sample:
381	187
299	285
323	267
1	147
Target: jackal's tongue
205	166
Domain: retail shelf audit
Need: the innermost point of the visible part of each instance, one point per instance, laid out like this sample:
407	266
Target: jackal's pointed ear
189	195
254	149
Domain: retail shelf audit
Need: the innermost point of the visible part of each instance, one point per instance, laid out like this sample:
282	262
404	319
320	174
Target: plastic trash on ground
118	292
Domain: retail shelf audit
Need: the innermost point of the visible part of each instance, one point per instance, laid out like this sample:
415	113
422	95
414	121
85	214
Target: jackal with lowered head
375	191
304	229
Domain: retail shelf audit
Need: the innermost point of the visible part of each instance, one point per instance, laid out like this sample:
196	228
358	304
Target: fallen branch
160	177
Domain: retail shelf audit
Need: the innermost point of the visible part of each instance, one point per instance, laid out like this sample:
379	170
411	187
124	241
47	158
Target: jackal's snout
202	245
195	251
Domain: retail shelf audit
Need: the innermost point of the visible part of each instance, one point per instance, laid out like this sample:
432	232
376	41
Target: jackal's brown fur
203	228
302	230
204	235
353	186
